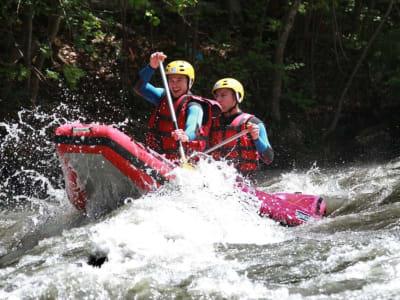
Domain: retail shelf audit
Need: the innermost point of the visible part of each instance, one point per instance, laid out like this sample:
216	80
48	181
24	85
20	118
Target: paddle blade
185	164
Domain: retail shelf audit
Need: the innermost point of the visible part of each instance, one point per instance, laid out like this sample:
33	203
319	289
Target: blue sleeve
193	121
145	89
263	146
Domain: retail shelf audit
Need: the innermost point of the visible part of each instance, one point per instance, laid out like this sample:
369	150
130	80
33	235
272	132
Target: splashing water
32	194
164	239
197	237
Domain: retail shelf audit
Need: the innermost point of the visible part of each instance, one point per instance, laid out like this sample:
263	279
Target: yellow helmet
181	67
230	83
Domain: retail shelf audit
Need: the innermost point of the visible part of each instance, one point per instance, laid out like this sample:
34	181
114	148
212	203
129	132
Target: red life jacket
242	151
160	126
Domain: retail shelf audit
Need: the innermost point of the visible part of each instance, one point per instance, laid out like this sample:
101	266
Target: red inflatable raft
289	208
102	167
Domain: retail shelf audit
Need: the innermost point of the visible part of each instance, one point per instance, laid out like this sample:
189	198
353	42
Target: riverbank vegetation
323	75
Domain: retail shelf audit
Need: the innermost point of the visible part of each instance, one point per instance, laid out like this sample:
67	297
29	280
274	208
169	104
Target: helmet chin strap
236	103
232	108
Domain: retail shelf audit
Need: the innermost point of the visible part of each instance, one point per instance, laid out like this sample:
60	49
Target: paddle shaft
171	108
224	142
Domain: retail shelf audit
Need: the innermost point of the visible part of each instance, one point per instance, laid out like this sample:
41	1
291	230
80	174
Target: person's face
226	98
178	84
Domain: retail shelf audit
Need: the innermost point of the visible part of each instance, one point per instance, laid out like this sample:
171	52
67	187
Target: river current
195	238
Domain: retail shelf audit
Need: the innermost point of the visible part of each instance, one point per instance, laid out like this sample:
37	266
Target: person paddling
245	151
193	113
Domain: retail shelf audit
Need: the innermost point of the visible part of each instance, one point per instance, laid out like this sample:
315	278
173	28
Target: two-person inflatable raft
102	167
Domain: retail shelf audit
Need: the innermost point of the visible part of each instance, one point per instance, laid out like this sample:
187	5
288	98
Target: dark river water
195	238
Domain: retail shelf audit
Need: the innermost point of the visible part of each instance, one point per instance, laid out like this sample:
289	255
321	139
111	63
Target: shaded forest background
323	75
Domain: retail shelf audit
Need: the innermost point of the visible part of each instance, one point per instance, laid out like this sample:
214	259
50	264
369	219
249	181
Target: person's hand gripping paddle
173	116
223	143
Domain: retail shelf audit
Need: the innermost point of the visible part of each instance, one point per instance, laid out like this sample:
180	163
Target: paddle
172	110
224	142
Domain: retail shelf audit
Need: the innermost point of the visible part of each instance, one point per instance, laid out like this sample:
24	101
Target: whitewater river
194	238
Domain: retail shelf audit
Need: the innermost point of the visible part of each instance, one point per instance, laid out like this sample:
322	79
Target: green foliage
179	6
394	79
323	5
294	66
154	20
46	50
72	75
85	26
386	49
302	8
16	72
8	18
239	43
52	75
299	99
273	24
137	4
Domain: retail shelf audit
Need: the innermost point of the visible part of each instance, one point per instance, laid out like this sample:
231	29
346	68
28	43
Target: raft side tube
291	208
103	165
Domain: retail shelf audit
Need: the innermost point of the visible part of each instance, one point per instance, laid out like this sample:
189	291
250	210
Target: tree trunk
28	11
263	20
356	16
124	46
337	39
195	40
54	26
278	61
371	4
316	25
235	10
335	120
